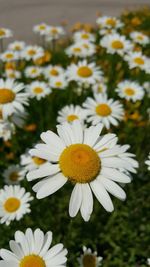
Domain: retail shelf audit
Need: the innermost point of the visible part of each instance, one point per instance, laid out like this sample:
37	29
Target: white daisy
148	162
71	113
101	109
32	249
32	52
59	82
33	71
14	203
13	174
12	99
52	71
41	28
130	90
54	32
38	90
83	36
109	22
99	88
91	162
84	72
116	43
139	38
89	258
8	56
137	59
81	49
106	31
16	46
7	129
12	74
5	33
32	163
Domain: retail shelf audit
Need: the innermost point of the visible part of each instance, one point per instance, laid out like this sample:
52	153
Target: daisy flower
33	72
101	109
12	99
99	88
130	90
139	38
32	163
14	203
54	32
148	261
59	82
41	28
137	59
16	46
52	71
116	43
12	74
109	22
33	249
90	162
84	72
107	31
8	56
13	174
71	113
83	36
89	258
6	130
32	52
5	33
81	49
38	90
148	162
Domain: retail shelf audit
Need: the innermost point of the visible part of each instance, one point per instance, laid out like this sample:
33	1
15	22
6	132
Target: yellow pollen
54	31
129	91
38	90
38	161
9	55
84	72
111	22
14	176
77	49
17	47
80	163
103	110
58	84
12	204
140	37
139	60
42	27
32	261
2	32
89	260
100	89
6	96
72	117
117	44
85	36
54	72
31	52
33	71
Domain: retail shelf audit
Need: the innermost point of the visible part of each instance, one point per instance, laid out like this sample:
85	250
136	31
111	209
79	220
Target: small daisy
52	71
16	46
81	49
32	163
109	22
89	258
90	162
139	38
7	129
101	109
5	33
32	249
148	162
84	72
12	74
54	32
130	90
137	59
99	88
14	174
14	203
71	113
59	82
83	36
12	99
38	90
41	28
32	52
33	72
107	31
8	56
116	43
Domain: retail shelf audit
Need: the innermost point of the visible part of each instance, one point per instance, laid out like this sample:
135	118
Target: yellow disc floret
14	176
117	44
38	90
111	22
84	72
32	261
80	163
103	110
12	204
72	117
38	161
89	260
6	96
139	60
129	91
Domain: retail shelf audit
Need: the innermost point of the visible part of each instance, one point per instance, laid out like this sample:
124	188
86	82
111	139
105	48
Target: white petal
115	175
75	200
113	188
43	171
92	134
87	202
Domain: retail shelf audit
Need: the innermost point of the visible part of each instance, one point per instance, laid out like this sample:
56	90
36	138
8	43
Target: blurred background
21	15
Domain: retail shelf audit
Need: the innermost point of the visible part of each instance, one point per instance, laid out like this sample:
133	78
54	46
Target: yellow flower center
77	49
103	110
2	32
42	27
129	91
54	31
117	44
72	117
84	72
80	163
31	52
54	72
86	46
85	36
32	261
14	176
9	55
89	260
38	90
6	96
139	60
100	89
58	84
12	204
140	37
111	22
34	71
38	161
17	47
